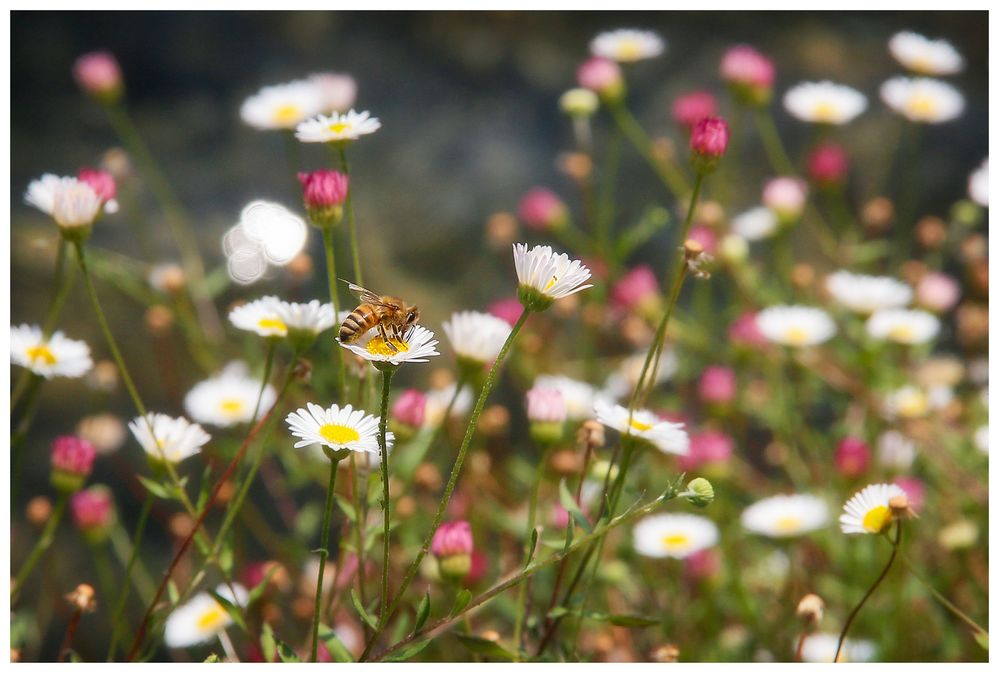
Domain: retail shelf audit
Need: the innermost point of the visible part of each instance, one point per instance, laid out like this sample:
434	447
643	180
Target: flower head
904	326
103	184
304	321
545	405
717	385
93	510
602	76
924	56
172	439
579	397
938	292
868	511
795	325
324	193
260	316
978	184
785	196
866	294
416	346
637	289
923	99
72	461
229	398
579	102
786	516
546	276
821	648
689	109
828	165
627	45
203	618
99	75
852	457
336	428
337	127
452	545
824	102
708	141
674	535
476	337
57	356
749	74
410	408
707	447
645	425
283	106
755	224
543	210
745	331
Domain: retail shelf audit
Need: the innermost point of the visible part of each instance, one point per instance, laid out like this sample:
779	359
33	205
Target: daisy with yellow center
821	648
925	56
203	618
627	45
786	516
824	102
904	326
546	276
923	99
795	325
865	294
645	425
476	337
868	511
674	535
336	428
57	356
230	398
579	397
336	127
283	106
907	402
260	316
416	346
172	439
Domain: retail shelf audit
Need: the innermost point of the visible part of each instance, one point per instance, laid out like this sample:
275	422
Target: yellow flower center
796	336
629	50
922	106
912	405
640	426
551	282
877	519
287	114
212	619
231	406
338	127
922	64
787	524
377	345
337	434
272	323
675	540
41	353
901	333
825	112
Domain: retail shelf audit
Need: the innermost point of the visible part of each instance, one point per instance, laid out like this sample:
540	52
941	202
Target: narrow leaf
231	609
338	650
155	488
422	612
409	650
484	647
461	601
570	505
268	643
361	611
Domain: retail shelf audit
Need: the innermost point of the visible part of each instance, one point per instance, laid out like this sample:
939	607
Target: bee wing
365	295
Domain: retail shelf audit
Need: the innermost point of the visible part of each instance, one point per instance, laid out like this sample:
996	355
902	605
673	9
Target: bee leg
385	338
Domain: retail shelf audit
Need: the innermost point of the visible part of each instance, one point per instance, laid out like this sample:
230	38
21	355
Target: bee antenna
345	281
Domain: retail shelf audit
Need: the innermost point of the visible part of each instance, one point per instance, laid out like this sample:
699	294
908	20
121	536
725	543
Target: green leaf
226	554
557	612
258	590
484	647
409	650
347	508
532	547
155	488
267	643
173	592
206	488
286	653
461	601
422	612
212	658
982	638
631	620
654	219
231	609
361	611
338	650
569	504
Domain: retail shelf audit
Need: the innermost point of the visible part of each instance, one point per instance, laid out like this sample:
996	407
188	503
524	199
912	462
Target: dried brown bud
592	314
103	376
899	505
15	655
709	213
480	463
666	654
494	420
301	266
301	607
931	232
226	492
692	248
978	275
180	525
427	477
38	511
104	431
116	162
567	307
913	271
159	319
576	165
405	507
636	331
490	635
83	599
972	324
974	247
565	462
440	378
591	434
802	275
168	278
501	230
303	370
810	609
878	215
663	149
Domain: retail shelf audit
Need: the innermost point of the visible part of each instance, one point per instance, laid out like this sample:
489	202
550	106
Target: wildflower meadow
499	337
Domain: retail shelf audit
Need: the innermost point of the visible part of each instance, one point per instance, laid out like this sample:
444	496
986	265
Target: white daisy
821	648
666	436
795	325
202	618
173	439
755	224
437	401
674	535
786	515
545	276
865	294
475	336
978	184
56	357
925	56
309	317
415	347
41	192
868	512
904	326
347	126
579	397
923	99
283	106
260	316
228	399
336	428
824	102
896	451
907	402
626	45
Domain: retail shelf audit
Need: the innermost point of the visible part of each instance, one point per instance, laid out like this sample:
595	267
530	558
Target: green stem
331	280
119	605
941	598
387	374
360	521
772	145
268	366
532	511
17	438
668	172
349	207
870	591
452	481
43	544
323	555
64	283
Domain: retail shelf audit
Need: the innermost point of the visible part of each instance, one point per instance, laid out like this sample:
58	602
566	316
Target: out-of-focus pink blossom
689	109
542	210
636	288
744	331
827	165
545	405
508	309
709	138
602	76
717	385
749	73
704	236
92	509
99	75
452	538
707	447
914	490
324	188
938	292
786	197
853	456
73	455
409	408
101	182
703	564
338	90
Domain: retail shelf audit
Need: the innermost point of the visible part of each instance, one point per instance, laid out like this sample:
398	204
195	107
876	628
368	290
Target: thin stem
870	591
119	605
323	555
668	173
64	283
17	438
940	597
67	641
452	481
48	535
331	280
360	522
349	208
772	145
386	503
268	366
532	511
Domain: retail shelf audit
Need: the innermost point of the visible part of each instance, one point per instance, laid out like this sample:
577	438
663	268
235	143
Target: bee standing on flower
390	314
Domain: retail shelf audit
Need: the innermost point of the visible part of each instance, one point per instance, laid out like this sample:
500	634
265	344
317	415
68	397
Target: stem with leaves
335	456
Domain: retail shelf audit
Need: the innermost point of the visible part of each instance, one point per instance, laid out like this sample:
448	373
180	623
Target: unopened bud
591	434
159	319
666	654
38	511
900	509
810	609
83	599
699	492
878	215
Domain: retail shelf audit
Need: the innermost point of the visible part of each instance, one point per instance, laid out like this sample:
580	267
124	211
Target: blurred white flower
978	184
755	224
982	439
824	102
865	294
476	336
895	450
260	316
923	99
795	325
785	515
627	45
172	439
437	402
202	618
674	535
283	106
338	91
645	425
904	326
622	381
347	126
821	648
907	402
579	397
924	56
58	356
311	317
229	398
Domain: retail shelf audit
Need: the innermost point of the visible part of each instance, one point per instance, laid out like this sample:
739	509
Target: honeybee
391	315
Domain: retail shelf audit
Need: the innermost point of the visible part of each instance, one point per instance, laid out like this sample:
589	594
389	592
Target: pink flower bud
707	447
709	138
409	408
602	76
508	309
72	462
852	457
704	236
452	538
99	75
691	108
545	405
704	564
938	292
914	490
101	182
324	193
542	210
786	197
827	165
744	331
93	509
749	73
636	288
717	385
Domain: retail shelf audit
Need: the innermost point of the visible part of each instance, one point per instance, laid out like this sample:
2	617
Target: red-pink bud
717	385
749	73
99	75
602	76
827	165
542	210
704	236
545	405
480	565
852	457
703	564
636	288
707	447
914	490
324	193
744	331
409	408
93	509
453	538
508	309
101	182
938	292
691	108
72	461
709	138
